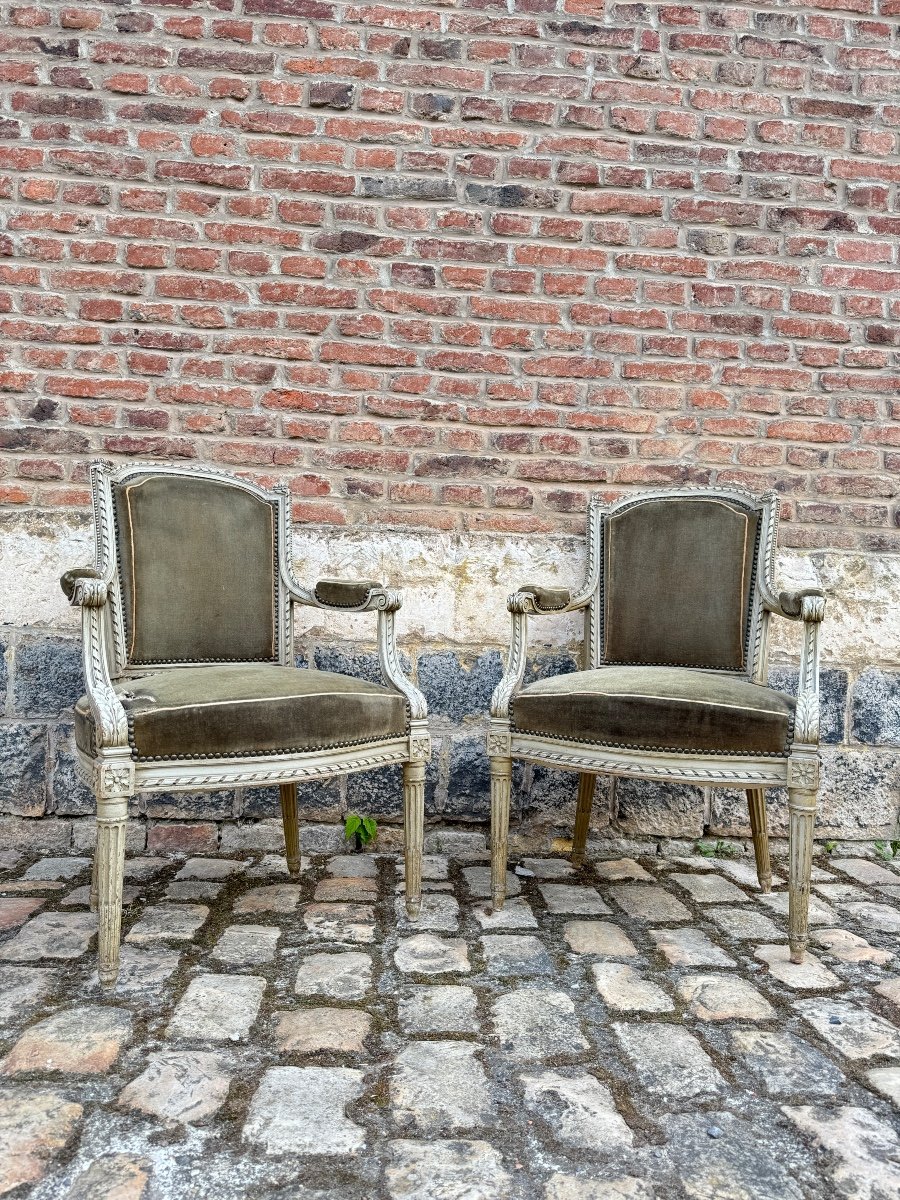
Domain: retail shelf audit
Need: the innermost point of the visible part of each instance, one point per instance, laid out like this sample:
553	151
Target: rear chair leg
501	778
586	785
756	800
291	827
413	833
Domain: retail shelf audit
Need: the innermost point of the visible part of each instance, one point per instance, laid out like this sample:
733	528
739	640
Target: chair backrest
678	575
197	559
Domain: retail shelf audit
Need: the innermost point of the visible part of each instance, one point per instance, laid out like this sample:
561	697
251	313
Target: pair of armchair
187	622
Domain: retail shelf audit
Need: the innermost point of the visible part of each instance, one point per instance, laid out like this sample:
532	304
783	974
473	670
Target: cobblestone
638	1052
218	1008
440	1088
179	1085
598	937
448	1008
83	1041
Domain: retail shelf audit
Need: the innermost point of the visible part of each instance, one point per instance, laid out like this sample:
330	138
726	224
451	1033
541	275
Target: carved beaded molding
114	769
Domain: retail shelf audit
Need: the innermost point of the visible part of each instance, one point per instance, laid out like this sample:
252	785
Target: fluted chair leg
802	816
291	827
586	785
501	780
112	819
413	833
94	896
756	800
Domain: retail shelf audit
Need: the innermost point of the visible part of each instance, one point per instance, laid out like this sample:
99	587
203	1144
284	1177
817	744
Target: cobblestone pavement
632	1030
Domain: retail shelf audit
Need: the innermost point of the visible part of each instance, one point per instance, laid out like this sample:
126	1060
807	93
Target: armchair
676	603
187	624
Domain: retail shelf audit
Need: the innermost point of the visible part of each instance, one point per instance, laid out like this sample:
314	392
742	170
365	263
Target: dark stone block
23	768
312	798
875	710
189	806
659	809
832	698
379	793
454	691
431	105
469	788
48	676
542	666
447	49
330	95
511	195
71	796
406	187
361	666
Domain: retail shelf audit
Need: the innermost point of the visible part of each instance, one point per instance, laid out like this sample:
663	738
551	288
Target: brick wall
448	269
455	265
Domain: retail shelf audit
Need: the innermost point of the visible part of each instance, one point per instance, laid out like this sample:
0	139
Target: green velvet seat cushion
245	709
658	708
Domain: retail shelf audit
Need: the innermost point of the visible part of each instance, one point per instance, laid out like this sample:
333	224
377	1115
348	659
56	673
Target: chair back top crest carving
679	576
194	560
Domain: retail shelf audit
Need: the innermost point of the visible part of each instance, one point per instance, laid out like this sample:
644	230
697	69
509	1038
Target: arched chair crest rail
187	622
679	591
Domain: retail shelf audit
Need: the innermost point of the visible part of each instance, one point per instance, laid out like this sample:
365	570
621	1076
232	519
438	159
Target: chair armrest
83	586
803	601
346	593
534	598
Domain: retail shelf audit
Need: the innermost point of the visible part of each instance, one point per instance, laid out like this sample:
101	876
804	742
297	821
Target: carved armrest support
85	587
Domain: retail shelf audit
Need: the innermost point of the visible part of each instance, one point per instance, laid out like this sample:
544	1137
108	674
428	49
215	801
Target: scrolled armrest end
84	587
533	598
804	604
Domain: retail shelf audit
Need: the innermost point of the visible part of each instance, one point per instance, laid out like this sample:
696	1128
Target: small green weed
717	849
830	847
363	830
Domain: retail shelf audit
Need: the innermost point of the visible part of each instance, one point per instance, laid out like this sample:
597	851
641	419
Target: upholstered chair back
198	570
677	583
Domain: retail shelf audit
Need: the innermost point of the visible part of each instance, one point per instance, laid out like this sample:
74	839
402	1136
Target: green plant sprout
363	830
830	847
718	849
887	850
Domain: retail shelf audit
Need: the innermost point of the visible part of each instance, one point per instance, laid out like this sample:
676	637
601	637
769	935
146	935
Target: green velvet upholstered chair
677	600
187	621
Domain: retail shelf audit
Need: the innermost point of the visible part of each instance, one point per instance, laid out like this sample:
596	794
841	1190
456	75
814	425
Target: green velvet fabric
246	709
547	598
69	578
658	708
678	575
344	593
197	571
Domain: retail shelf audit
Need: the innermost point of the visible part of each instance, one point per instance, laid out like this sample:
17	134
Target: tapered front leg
756	800
291	827
501	777
112	820
802	815
586	784
413	833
